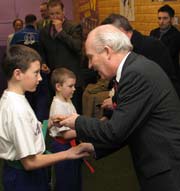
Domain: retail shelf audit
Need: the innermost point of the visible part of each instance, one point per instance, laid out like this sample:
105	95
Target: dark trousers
22	180
67	173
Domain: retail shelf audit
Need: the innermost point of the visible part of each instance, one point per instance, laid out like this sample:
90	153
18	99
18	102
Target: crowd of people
43	67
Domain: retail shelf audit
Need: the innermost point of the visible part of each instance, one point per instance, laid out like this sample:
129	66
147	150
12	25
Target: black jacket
63	50
158	52
172	40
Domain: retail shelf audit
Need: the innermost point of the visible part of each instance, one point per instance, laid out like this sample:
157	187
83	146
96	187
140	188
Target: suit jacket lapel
130	59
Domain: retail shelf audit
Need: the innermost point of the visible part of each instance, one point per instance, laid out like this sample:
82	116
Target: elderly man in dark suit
147	46
147	116
168	34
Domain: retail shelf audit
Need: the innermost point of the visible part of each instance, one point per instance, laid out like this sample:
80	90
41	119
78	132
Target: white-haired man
147	116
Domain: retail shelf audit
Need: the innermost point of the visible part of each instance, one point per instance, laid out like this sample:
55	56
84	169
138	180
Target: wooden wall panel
145	12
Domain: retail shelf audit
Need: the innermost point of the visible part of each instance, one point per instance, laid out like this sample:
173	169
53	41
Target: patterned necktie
115	86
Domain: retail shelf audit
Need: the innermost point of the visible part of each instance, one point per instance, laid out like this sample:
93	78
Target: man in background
44	15
28	36
168	34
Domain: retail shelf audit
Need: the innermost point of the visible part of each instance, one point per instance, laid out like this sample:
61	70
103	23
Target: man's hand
69	121
55	120
57	23
107	104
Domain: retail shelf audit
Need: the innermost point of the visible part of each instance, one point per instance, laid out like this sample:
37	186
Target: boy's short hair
59	75
167	9
18	57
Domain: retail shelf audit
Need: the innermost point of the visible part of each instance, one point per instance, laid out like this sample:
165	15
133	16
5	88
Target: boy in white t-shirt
63	81
21	138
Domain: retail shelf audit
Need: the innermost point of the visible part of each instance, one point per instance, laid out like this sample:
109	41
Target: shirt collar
120	67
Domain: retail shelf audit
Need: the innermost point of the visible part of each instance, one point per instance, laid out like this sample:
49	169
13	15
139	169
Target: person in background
67	173
44	16
61	43
21	138
147	116
29	36
168	34
17	25
147	46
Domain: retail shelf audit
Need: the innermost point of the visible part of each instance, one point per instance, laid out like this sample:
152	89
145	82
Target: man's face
164	20
56	12
44	11
98	61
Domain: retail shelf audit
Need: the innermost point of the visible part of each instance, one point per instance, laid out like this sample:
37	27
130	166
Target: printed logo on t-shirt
29	39
37	130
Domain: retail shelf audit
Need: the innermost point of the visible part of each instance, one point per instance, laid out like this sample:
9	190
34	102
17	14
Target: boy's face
67	88
31	77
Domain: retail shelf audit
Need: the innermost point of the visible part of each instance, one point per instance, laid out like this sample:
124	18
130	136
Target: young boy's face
67	88
31	77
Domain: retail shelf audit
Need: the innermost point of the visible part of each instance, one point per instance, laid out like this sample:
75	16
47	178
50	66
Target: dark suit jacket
63	50
172	40
147	118
155	50
42	23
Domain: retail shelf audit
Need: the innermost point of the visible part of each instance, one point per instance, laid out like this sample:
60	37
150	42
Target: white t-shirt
20	131
60	107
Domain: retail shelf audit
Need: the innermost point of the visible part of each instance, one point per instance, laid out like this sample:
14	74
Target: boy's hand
80	151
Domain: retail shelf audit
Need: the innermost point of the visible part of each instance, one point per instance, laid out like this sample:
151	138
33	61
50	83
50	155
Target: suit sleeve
133	106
